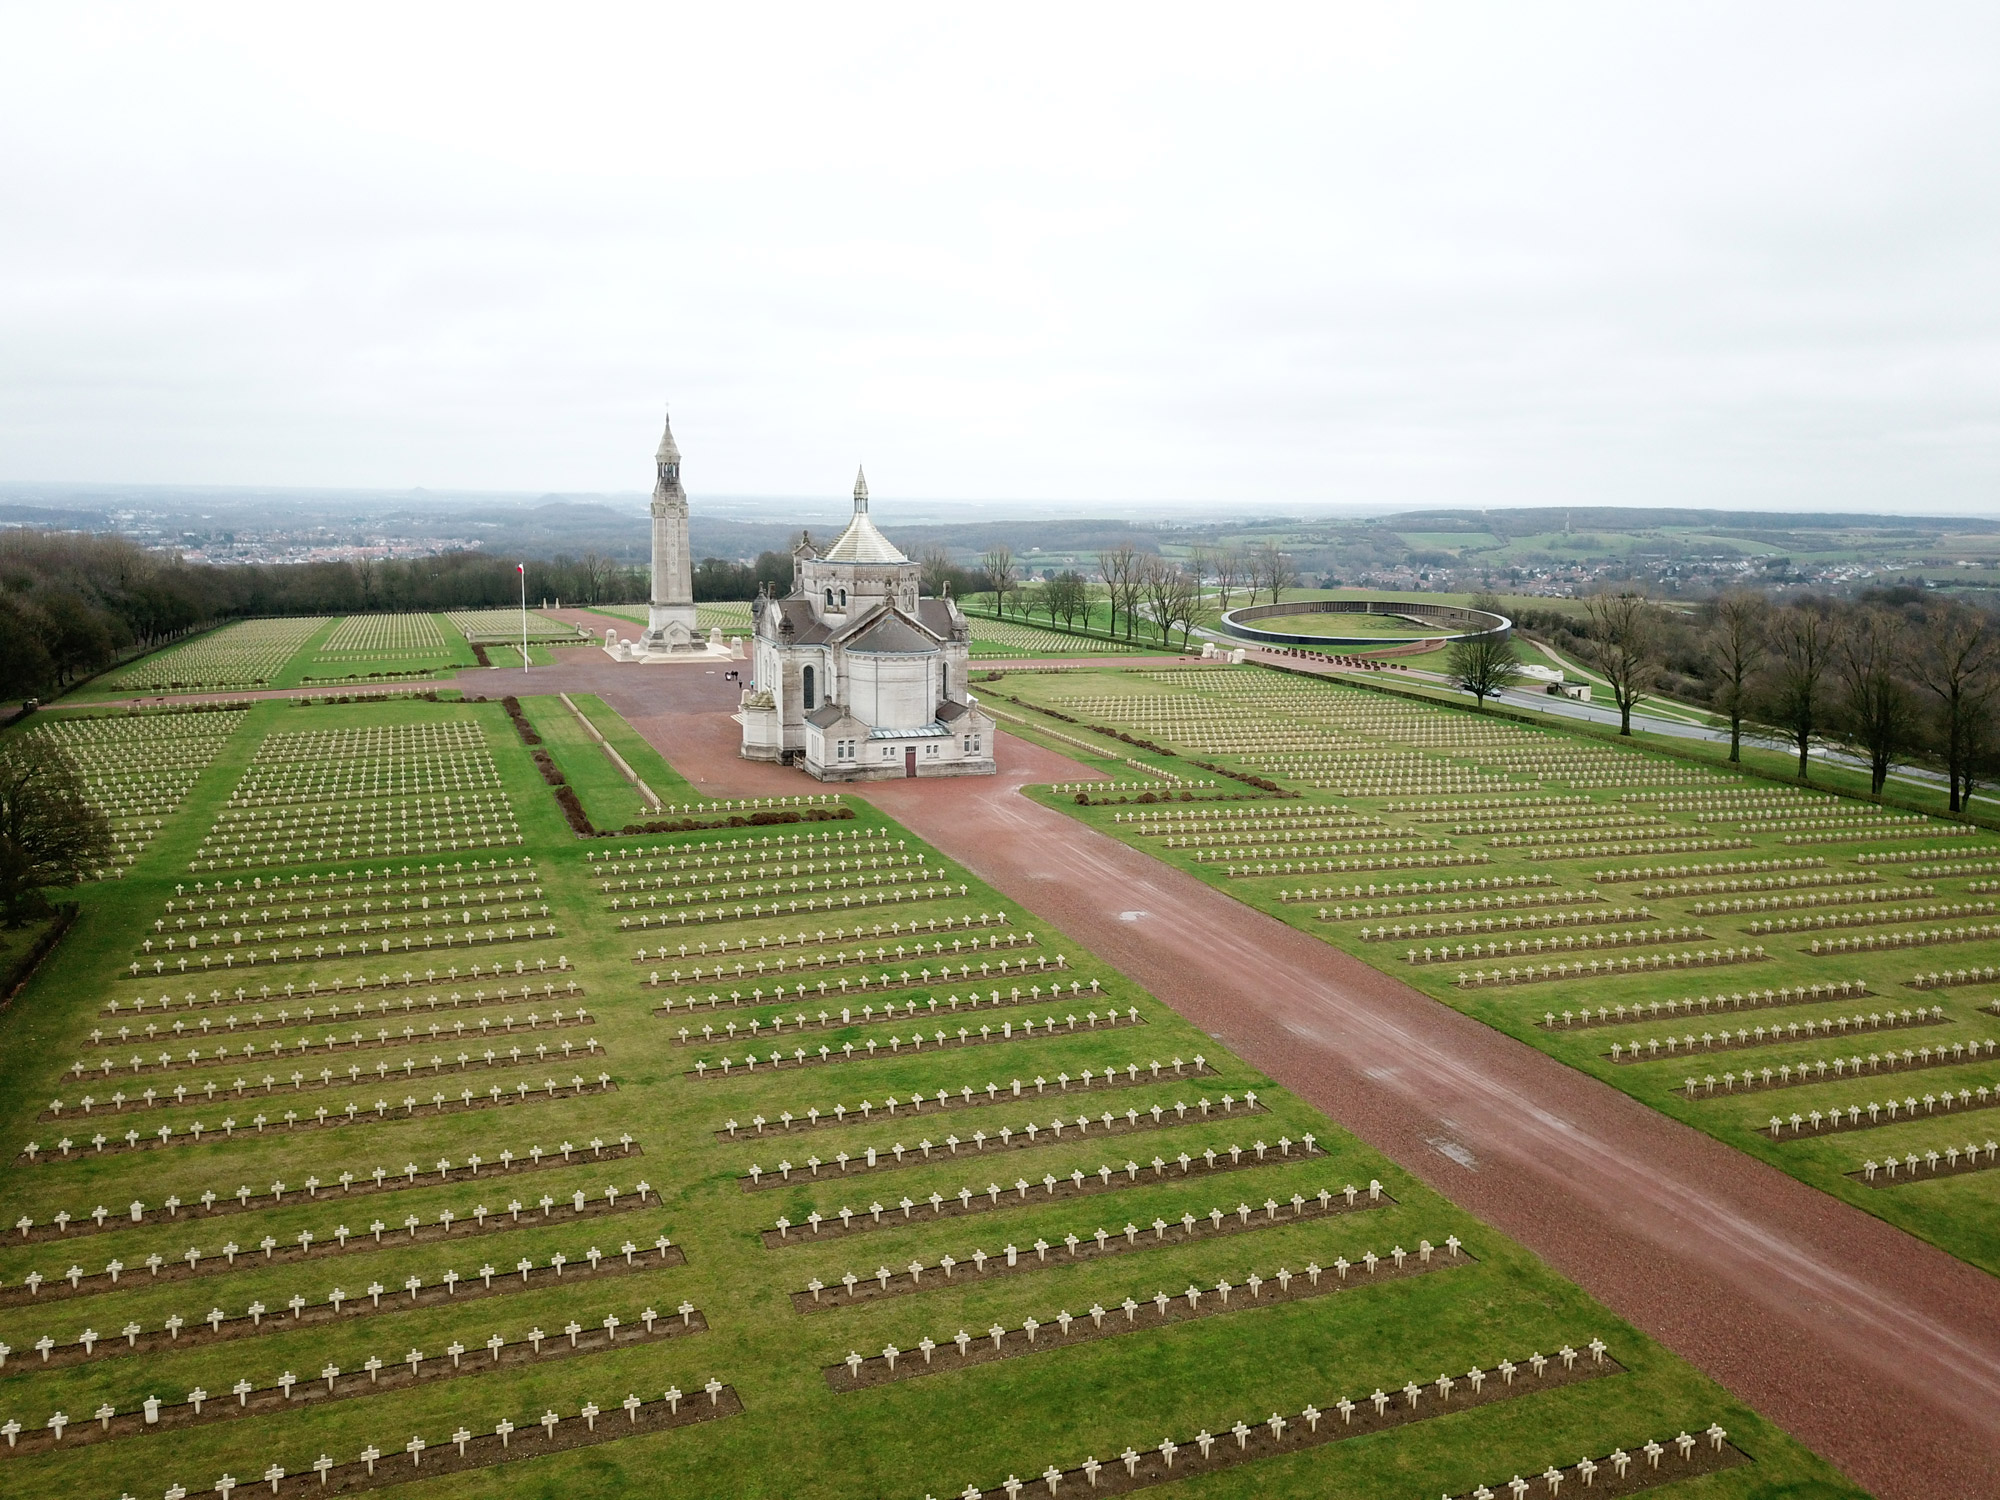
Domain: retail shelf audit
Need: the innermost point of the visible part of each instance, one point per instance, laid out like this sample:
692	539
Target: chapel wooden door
909	760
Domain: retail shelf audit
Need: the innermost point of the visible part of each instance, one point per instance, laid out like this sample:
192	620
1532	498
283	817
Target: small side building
857	677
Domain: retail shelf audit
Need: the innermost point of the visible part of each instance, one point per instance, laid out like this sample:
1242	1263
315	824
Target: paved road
1881	1352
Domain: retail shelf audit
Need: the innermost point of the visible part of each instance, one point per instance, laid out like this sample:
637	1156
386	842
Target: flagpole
522	568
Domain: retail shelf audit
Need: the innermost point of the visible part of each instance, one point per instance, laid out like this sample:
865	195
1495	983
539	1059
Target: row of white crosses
1797	1075
1874	916
1951	1156
1007	1031
966	1096
358	1380
322	1117
384	1005
341	1302
727	869
473	1219
1101	1241
1771	1036
1611	968
722	947
1301	1430
316	989
1881	1112
825	990
1006	1138
330	950
504	1430
909	1010
1618	1461
1916	937
304	1044
1199	1301
1107	1177
299	1081
779	879
1652	1010
886	980
888	890
244	1198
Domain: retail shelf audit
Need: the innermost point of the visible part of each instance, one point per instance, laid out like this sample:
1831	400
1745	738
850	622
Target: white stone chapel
855	676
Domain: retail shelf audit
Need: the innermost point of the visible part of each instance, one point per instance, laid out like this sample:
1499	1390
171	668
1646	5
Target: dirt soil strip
563	1092
715	1071
945	1359
172	1417
1728	1261
1013	1197
214	1262
1015	1140
444	1457
281	1320
81	1225
903	1283
1199	1068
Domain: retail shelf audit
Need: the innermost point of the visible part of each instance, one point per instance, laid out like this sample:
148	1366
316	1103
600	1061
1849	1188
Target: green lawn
795	1437
1955	1213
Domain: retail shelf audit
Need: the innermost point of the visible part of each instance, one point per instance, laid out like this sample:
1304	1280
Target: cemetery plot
1244	1442
866	1050
374	1375
1949	1162
373	1314
383	635
209	1203
332	1240
1036	1336
1106	1178
500	626
136	769
248	654
966	1096
1820	882
1188	1228
729	616
872	1159
996	638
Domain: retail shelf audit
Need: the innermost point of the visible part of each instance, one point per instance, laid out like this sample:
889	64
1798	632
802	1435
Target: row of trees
73	603
1897	677
1136	591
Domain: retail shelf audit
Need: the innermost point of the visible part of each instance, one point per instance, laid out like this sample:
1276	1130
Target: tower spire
860	491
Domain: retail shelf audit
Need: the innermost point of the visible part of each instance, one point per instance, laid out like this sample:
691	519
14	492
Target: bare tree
1165	587
1876	713
998	566
1228	574
1793	691
1484	666
1736	646
1184	601
1120	569
49	832
934	569
1068	595
1953	660
1272	567
595	571
1624	647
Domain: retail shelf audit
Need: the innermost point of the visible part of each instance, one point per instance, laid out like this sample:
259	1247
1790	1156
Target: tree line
1894	677
74	603
1137	592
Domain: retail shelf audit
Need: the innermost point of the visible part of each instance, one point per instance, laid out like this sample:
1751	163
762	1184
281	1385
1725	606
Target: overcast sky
1385	255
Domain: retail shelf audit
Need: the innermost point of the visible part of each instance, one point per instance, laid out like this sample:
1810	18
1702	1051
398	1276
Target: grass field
312	831
1586	816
